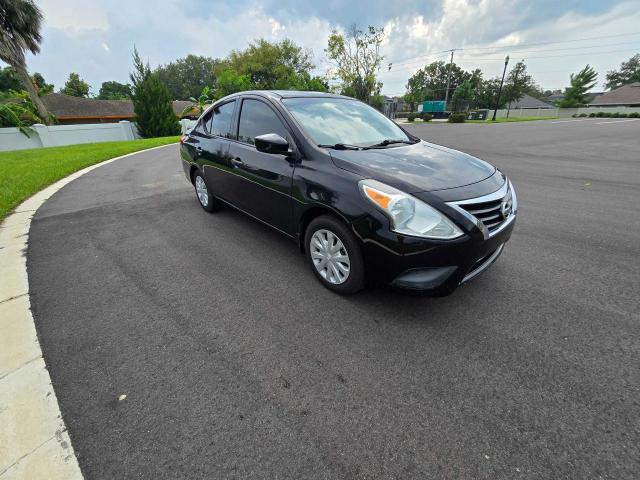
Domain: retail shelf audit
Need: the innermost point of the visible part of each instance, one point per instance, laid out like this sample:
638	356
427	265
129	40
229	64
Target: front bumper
434	267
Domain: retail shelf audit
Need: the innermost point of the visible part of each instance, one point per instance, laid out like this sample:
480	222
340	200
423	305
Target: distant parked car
364	199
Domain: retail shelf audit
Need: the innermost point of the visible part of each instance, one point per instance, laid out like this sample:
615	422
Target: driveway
236	363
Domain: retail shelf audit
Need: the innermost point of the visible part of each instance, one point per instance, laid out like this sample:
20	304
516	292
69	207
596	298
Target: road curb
34	442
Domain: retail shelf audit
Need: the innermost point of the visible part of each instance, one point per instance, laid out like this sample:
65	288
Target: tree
141	70
17	110
186	77
462	97
629	72
485	95
113	90
305	82
518	83
75	86
266	65
201	103
9	80
230	82
20	22
151	102
430	82
356	60
576	95
41	84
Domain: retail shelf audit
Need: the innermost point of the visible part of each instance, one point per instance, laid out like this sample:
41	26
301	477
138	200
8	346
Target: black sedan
364	199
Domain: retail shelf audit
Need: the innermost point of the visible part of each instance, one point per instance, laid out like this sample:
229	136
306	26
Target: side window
221	122
256	118
203	125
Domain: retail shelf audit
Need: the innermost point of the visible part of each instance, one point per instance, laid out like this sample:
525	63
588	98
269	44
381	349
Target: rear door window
202	127
221	120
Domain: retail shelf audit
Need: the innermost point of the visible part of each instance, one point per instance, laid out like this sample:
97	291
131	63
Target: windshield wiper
340	146
388	141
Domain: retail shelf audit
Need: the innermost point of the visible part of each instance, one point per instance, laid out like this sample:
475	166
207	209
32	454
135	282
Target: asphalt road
236	363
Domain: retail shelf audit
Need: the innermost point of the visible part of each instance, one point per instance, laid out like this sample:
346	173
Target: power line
569	55
511	47
472	57
520	52
556	42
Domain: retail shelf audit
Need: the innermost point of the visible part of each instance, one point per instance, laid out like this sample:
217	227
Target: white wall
560	112
13	139
58	135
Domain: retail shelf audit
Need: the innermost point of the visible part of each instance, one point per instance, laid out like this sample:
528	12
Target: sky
95	38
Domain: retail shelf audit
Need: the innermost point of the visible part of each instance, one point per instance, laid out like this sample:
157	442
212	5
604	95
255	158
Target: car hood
419	167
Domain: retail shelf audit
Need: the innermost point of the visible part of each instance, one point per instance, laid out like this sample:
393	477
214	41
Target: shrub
600	114
427	117
592	114
574	115
582	115
634	115
621	115
411	117
152	106
607	114
457	118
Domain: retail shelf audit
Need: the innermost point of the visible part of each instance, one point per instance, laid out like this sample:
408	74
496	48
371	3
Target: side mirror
272	143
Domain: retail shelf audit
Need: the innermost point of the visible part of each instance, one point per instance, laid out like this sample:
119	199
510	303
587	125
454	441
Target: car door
262	181
214	154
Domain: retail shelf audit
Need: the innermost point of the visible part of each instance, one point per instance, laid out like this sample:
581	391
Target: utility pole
515	83
495	111
446	95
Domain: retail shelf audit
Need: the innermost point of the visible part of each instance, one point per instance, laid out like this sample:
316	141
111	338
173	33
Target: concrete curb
34	443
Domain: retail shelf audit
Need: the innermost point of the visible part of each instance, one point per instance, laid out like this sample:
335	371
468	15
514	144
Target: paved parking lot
236	363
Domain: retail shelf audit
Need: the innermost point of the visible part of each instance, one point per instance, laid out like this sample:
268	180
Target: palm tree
20	22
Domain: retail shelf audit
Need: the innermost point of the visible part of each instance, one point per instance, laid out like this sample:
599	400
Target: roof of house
65	107
625	95
527	101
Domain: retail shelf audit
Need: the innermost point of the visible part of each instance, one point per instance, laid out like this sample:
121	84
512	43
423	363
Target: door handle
237	162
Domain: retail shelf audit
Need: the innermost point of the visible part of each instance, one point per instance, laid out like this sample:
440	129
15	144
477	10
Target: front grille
490	213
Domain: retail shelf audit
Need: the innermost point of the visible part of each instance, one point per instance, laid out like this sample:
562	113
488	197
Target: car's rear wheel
334	254
207	201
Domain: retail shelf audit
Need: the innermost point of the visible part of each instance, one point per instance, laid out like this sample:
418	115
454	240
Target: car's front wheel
207	201
334	255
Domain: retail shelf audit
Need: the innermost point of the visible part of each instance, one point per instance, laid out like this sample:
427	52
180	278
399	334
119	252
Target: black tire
210	203
355	279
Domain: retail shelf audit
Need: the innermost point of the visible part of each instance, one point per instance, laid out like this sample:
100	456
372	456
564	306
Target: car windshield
342	121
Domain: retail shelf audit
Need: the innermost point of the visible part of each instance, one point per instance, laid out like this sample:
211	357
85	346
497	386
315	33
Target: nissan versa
364	199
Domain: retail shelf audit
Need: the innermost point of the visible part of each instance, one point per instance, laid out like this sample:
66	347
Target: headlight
408	215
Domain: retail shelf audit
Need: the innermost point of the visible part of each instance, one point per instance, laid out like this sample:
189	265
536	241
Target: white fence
58	135
561	112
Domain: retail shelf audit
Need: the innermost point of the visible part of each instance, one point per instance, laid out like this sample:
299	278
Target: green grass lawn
24	172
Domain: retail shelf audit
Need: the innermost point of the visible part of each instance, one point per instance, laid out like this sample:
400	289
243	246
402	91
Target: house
625	96
527	101
70	110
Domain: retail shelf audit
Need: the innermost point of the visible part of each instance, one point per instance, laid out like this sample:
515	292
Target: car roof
278	94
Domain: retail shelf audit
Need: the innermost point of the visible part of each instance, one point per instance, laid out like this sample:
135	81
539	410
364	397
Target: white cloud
74	15
76	29
463	22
